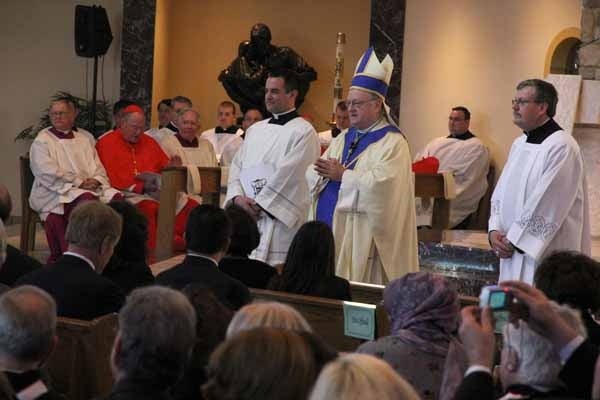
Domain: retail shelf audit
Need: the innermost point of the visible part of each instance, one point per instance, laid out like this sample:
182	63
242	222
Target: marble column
137	52
387	37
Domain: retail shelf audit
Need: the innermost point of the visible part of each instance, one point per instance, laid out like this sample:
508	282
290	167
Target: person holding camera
559	341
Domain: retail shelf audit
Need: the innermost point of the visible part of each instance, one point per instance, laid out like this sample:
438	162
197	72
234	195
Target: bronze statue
244	80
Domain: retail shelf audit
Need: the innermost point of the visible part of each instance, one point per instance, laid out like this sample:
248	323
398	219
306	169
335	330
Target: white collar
276	116
87	260
372	127
194	254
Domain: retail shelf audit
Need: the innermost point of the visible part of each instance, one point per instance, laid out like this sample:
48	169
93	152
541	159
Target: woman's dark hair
134	234
310	258
245	236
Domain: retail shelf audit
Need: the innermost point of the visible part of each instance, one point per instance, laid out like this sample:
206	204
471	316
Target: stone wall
589	53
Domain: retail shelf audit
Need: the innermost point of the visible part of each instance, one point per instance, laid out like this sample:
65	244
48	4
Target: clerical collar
232	129
335	131
283	118
463	136
63	134
186	143
541	133
171	126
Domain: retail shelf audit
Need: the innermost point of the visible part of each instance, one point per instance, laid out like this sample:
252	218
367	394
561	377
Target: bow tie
62	135
231	129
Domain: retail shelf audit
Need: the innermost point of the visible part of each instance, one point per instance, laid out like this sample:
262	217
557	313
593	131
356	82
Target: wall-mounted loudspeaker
92	31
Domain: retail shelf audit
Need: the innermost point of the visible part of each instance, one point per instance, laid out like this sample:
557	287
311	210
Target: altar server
226	137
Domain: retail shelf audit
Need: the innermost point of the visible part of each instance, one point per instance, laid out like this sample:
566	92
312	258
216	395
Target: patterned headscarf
424	311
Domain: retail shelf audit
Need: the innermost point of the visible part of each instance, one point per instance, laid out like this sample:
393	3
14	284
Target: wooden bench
432	185
79	367
174	180
325	316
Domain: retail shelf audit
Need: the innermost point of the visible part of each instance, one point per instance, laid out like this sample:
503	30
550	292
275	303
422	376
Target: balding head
5	203
27	328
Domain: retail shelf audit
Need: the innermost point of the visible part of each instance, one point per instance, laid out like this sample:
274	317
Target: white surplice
191	157
59	166
374	221
290	149
469	161
540	203
226	145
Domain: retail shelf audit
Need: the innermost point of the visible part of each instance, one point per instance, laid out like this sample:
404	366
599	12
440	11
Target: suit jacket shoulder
17	264
252	273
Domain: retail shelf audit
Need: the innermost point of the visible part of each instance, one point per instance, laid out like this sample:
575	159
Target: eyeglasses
456	119
357	103
58	114
521	102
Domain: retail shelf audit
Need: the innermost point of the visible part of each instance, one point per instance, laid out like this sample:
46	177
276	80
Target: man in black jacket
207	234
17	263
157	332
577	354
27	338
74	281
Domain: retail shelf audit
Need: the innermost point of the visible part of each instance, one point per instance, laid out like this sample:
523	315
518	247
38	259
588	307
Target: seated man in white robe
193	150
66	170
342	122
164	117
251	116
178	104
467	158
226	137
266	177
363	185
540	202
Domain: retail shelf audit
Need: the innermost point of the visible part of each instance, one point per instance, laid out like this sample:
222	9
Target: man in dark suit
157	332
577	354
17	263
207	234
74	281
27	338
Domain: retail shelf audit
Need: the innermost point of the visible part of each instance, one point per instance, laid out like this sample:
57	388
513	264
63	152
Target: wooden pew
373	294
432	185
325	316
79	367
174	180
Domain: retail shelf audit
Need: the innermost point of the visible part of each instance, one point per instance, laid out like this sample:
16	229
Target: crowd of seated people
194	332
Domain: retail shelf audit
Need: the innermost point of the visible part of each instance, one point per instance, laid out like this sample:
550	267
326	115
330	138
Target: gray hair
182	112
181	99
90	223
27	324
157	330
356	376
267	315
545	92
539	363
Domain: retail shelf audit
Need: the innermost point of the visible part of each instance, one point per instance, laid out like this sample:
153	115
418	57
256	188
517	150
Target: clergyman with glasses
67	171
362	186
540	202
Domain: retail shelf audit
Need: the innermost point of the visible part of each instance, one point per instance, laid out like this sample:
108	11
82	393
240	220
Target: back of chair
479	219
28	216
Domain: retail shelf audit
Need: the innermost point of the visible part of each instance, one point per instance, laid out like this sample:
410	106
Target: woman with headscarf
423	310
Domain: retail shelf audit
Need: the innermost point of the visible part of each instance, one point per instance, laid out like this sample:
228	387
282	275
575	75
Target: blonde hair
356	376
268	315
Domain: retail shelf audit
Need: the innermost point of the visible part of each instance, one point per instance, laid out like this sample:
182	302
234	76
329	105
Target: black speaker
92	31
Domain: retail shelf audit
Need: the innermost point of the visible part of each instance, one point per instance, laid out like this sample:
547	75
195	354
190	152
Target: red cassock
123	161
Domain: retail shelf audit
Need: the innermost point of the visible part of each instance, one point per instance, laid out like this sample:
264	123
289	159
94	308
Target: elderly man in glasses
540	202
66	170
363	186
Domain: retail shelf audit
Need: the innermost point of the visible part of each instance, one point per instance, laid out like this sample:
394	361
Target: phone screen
497	300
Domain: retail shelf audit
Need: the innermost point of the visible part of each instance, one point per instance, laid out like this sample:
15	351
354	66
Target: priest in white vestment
226	137
66	170
540	202
178	104
266	177
342	122
466	157
363	185
193	150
